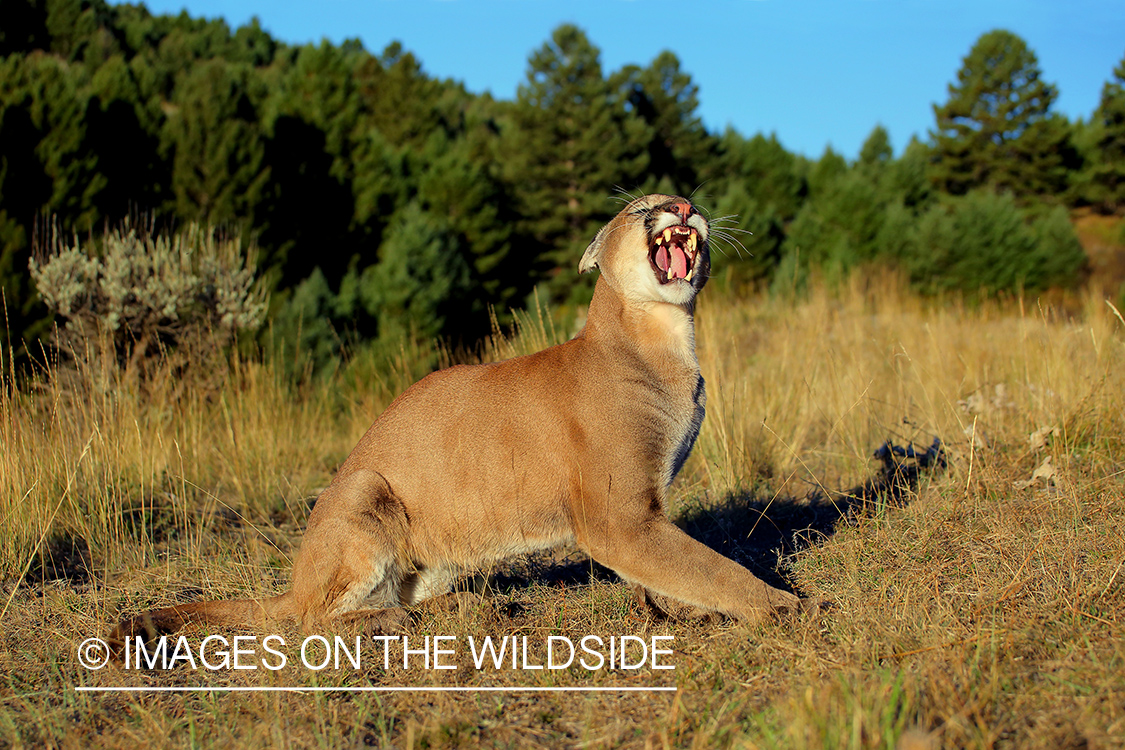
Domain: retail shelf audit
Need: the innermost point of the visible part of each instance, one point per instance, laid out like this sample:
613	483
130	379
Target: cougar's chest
670	412
684	425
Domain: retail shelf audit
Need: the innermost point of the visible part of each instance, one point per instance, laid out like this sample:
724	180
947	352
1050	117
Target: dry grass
978	608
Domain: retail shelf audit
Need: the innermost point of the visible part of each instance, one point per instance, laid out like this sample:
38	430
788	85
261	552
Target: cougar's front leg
642	546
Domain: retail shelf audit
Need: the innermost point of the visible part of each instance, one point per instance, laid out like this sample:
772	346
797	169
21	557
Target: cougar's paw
391	621
660	607
783	605
791	607
374	622
813	606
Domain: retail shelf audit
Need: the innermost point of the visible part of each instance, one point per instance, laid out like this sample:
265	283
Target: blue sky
815	72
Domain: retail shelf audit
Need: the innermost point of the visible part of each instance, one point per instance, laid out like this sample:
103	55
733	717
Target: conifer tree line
387	202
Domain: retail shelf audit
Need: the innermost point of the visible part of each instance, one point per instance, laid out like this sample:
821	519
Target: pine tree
1107	179
475	204
906	177
571	143
422	281
770	175
25	188
46	167
380	185
73	26
218	171
876	151
404	104
320	86
825	171
126	145
984	242
839	226
745	235
681	149
53	96
996	129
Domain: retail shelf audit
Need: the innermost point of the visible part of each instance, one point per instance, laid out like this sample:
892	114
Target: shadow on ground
751	529
60	558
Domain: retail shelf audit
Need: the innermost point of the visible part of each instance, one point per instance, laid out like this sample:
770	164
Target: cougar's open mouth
673	253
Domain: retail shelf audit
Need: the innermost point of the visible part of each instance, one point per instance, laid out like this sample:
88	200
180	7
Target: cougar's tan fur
576	443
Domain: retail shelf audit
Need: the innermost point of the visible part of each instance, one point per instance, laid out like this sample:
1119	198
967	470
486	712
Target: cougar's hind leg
353	554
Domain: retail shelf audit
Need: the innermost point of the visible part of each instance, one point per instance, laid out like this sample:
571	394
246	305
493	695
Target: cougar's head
655	250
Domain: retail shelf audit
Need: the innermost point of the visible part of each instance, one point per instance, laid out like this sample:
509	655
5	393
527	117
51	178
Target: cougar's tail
233	612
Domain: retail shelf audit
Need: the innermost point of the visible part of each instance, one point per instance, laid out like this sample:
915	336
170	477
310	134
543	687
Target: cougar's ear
593	254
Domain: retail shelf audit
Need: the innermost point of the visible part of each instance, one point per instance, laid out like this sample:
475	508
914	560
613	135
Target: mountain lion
576	443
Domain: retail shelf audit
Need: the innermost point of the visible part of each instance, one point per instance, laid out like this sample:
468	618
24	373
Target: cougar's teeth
689	274
691	242
659	240
668	234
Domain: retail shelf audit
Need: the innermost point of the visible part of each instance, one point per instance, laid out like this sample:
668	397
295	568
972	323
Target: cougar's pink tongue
679	263
672	260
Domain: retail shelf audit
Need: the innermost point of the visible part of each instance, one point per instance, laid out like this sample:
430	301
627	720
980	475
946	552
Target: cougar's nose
683	210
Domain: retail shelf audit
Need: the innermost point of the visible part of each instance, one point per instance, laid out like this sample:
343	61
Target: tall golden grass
981	608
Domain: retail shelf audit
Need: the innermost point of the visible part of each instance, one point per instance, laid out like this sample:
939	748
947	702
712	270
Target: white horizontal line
370	689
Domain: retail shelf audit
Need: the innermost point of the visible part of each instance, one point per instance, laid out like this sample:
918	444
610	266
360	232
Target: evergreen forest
383	202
